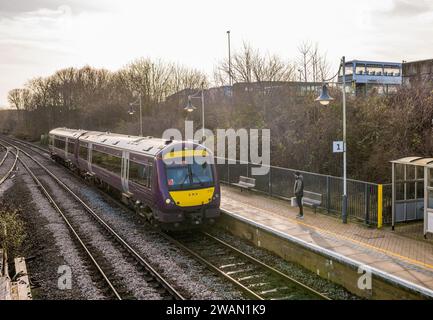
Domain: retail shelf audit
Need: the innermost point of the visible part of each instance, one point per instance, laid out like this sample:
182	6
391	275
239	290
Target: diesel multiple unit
173	184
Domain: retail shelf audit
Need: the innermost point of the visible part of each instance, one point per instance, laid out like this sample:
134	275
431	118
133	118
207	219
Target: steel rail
266	266
158	277
7	175
71	228
239	253
255	261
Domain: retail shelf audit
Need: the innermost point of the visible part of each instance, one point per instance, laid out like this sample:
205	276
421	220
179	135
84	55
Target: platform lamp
325	99
190	108
131	110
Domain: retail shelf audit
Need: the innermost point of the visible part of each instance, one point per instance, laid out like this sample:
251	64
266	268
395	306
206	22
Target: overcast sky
40	36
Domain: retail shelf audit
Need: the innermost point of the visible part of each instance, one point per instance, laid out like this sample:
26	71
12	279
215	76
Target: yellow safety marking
192	198
379	206
185	153
413	261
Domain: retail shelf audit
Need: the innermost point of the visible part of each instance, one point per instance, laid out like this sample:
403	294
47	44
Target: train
172	184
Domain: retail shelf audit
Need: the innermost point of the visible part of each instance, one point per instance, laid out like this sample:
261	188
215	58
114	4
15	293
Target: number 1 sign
338	147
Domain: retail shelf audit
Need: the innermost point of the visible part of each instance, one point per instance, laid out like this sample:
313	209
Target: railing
363	196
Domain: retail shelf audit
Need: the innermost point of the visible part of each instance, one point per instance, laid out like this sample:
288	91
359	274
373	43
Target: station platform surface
402	257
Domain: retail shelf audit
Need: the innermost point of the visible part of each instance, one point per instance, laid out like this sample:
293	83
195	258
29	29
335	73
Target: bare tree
312	63
250	65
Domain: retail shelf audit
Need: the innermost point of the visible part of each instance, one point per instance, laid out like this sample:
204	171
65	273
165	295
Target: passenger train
161	179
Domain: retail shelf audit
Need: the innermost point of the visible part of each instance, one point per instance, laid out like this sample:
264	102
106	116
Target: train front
189	191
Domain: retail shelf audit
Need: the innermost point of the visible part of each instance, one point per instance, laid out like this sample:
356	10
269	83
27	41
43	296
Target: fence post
366	201
328	194
379	206
228	172
270	181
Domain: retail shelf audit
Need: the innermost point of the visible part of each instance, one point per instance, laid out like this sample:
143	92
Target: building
417	73
367	76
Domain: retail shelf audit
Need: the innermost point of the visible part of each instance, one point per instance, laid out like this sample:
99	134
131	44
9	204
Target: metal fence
362	196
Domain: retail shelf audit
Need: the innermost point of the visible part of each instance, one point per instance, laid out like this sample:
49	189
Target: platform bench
311	199
245	183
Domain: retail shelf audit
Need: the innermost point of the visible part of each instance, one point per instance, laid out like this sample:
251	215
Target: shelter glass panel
430	199
430	178
71	146
60	144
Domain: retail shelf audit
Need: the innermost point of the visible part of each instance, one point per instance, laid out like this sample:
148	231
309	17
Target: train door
89	156
125	171
66	148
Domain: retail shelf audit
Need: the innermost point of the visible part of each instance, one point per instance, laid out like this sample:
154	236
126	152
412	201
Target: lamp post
131	110
230	59
325	99
190	108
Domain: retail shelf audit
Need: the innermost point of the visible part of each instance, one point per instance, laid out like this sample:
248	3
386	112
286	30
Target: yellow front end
192	198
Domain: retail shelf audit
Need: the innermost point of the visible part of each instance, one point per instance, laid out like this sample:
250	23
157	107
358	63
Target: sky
38	37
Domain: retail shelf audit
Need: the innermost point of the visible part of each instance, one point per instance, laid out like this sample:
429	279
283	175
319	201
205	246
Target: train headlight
167	201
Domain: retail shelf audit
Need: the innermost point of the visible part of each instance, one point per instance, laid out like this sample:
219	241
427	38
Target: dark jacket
298	188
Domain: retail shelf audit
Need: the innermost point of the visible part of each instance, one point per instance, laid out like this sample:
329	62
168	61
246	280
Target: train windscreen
189	176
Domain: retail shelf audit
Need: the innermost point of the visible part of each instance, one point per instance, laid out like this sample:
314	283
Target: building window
83	152
107	161
140	173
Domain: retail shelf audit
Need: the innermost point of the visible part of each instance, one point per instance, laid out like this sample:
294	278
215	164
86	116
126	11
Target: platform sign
338	147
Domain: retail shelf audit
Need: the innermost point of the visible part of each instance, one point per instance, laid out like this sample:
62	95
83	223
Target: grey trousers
301	207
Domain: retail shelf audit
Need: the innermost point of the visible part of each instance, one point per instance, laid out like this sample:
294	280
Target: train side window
107	161
138	173
83	152
71	146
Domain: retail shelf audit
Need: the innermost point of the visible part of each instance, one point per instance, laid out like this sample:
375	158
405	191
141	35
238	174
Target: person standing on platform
298	190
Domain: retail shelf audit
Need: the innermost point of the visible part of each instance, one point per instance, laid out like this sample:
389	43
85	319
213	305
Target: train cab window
107	161
189	176
139	173
59	144
51	140
83	152
71	146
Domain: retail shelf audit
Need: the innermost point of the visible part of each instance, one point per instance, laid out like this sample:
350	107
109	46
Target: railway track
151	276
9	171
257	279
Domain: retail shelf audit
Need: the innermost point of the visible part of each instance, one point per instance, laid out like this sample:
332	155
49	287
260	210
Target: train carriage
162	179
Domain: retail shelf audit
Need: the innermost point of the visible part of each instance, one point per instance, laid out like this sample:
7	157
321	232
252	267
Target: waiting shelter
412	191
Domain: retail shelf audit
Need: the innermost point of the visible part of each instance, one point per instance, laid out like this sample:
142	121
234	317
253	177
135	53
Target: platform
402	261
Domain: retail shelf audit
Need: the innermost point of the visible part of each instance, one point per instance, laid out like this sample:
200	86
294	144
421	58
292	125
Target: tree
12	232
250	65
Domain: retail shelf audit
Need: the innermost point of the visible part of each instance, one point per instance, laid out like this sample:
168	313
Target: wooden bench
245	183
311	199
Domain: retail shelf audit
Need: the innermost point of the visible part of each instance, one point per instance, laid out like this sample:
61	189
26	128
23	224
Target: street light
131	110
325	99
230	59
190	108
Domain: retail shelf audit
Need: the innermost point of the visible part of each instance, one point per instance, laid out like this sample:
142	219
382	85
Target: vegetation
380	128
12	232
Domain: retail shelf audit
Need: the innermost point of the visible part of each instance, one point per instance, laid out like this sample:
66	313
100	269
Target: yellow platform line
413	261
